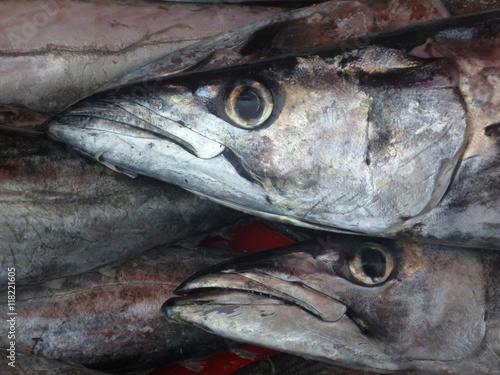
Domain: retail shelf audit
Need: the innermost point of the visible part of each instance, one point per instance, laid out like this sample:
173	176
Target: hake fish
110	319
366	303
394	134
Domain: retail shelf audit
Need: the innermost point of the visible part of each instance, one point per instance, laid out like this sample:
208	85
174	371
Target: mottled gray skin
110	319
32	365
438	312
55	52
384	135
62	215
286	364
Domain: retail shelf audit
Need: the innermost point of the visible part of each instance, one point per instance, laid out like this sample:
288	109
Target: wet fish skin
457	7
49	58
430	308
418	163
110	319
56	206
30	365
320	24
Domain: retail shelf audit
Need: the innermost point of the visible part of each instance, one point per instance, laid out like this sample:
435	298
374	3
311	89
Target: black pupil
248	105
373	263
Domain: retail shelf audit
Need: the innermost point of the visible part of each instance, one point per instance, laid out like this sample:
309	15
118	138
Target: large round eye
248	104
371	264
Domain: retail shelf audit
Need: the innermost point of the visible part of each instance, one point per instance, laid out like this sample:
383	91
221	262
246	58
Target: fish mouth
150	134
253	288
270	299
250	280
145	134
138	117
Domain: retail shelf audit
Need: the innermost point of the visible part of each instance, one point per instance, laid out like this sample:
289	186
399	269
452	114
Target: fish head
359	302
359	140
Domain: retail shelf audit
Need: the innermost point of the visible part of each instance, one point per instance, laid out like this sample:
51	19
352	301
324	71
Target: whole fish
110	319
62	215
395	134
366	303
55	52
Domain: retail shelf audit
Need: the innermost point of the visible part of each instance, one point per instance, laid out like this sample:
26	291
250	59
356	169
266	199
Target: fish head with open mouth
359	302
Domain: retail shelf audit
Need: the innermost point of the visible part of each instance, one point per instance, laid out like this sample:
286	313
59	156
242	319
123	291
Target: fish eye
248	104
372	264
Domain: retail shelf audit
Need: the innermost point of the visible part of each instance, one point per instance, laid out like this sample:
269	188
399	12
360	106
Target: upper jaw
260	299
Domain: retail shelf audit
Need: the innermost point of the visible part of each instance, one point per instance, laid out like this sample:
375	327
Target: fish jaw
305	300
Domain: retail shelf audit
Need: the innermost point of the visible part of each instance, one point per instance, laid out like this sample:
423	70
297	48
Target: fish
366	303
53	53
109	319
61	214
393	134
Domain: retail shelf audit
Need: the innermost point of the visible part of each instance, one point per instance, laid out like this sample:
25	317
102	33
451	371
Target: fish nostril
493	131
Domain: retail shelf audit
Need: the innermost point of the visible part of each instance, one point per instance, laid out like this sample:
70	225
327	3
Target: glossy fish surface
392	135
55	52
63	215
364	303
110	319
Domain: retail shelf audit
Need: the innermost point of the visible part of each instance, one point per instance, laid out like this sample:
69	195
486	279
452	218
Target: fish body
53	53
393	135
365	303
110	319
63	215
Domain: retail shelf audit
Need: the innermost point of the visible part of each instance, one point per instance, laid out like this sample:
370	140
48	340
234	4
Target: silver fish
53	53
365	303
63	215
110	319
392	135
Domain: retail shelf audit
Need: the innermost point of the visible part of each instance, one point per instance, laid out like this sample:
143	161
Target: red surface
246	238
249	238
219	364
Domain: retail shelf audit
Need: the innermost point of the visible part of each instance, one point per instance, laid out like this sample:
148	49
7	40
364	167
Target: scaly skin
436	310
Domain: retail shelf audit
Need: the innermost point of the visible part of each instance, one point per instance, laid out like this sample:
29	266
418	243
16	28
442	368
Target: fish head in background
364	303
348	138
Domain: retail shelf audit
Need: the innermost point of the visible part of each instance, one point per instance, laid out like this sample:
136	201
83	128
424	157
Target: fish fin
196	366
246	354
